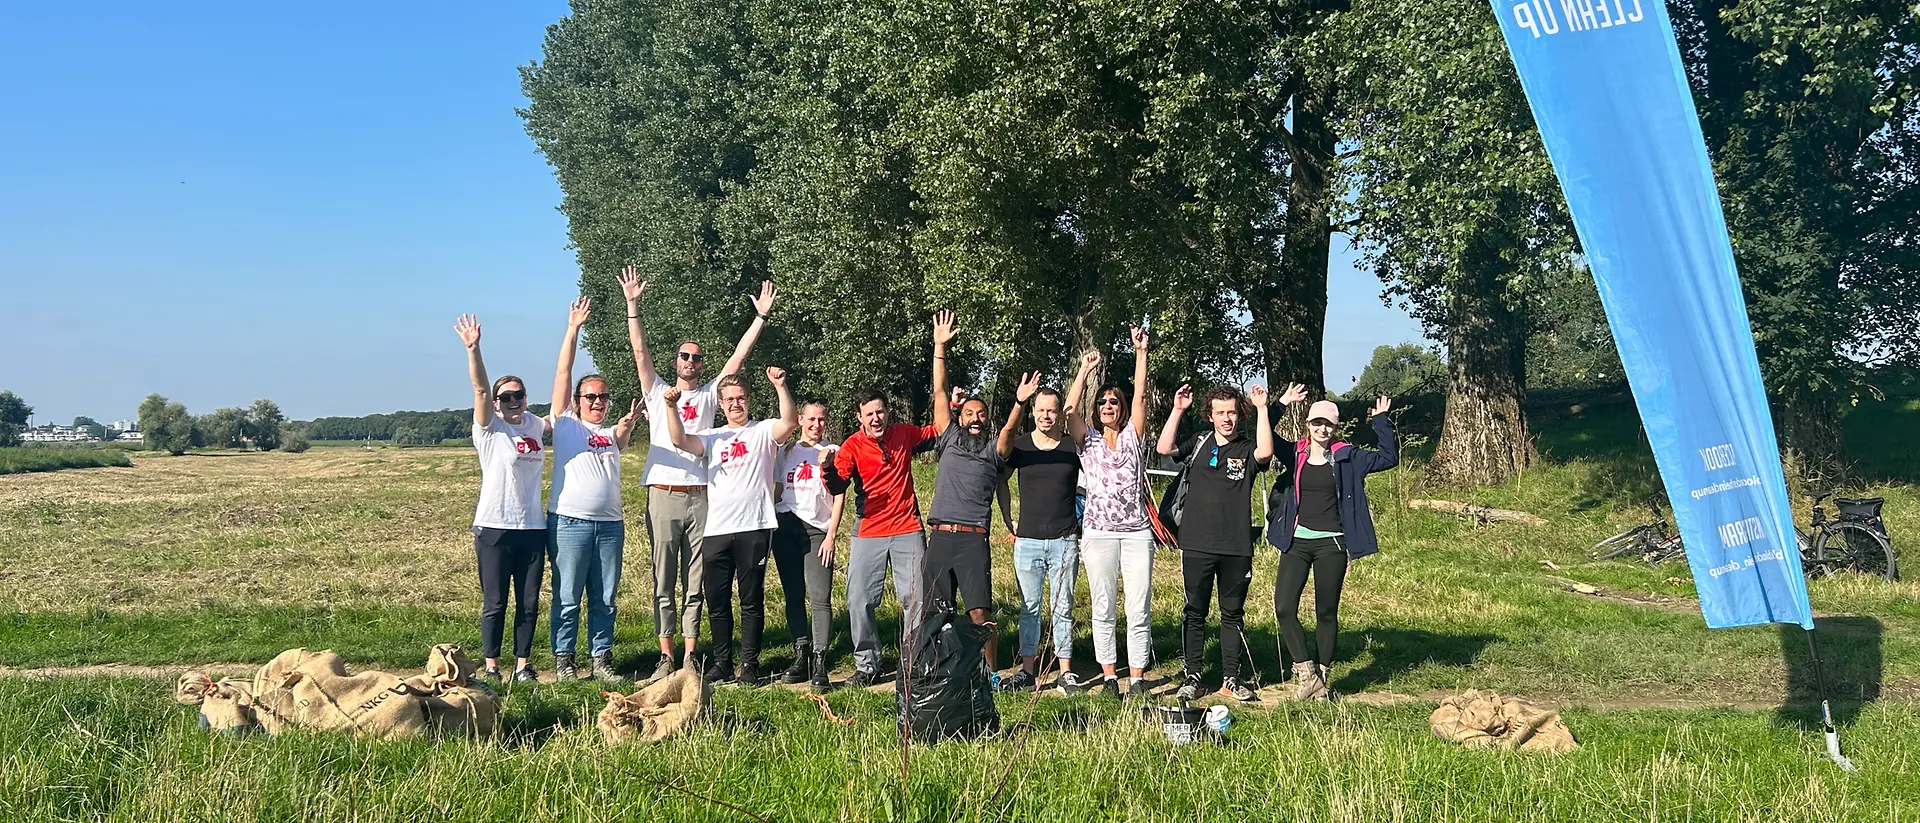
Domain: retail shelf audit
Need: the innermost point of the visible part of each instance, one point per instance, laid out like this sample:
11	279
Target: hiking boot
563	669
720	673
861	679
1021	681
1111	685
603	668
749	674
1232	687
797	673
662	669
821	683
526	674
1137	688
1190	690
1308	682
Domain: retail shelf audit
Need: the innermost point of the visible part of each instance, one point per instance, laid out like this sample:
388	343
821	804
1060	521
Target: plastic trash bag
946	690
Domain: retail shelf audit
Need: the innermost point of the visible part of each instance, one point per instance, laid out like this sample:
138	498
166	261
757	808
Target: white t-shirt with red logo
666	465
586	470
510	458
740	478
803	489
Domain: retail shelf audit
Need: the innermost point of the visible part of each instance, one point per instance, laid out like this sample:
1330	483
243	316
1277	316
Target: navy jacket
1351	465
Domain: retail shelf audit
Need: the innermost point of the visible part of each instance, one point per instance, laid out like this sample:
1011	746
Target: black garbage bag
946	691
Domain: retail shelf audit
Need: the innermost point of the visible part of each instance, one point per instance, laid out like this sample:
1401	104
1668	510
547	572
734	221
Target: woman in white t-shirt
509	531
809	520
740	460
586	531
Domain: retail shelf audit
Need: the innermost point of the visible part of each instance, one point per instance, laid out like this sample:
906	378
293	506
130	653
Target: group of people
724	499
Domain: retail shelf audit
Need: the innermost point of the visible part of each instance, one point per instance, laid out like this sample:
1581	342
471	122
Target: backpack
1173	503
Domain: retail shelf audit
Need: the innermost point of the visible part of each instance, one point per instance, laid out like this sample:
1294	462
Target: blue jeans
1049	566
586	557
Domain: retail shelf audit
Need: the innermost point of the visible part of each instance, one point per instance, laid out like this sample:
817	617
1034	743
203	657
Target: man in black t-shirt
1045	537
1216	528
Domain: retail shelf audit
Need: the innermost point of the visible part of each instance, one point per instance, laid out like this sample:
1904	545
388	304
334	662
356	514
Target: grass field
22	459
232	557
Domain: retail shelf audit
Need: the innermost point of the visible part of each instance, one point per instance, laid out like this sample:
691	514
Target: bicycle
1654	542
1854	540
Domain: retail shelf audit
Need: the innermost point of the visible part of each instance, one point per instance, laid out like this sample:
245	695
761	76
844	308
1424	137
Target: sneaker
1237	690
662	669
603	668
797	673
526	674
1069	684
1137	688
720	673
1190	690
1111	685
749	674
563	668
492	675
861	679
1021	681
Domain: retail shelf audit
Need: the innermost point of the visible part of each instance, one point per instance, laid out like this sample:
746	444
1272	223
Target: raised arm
1388	455
789	421
1262	424
762	305
623	430
468	327
1182	399
676	430
563	371
1029	383
942	335
1077	421
633	287
1140	387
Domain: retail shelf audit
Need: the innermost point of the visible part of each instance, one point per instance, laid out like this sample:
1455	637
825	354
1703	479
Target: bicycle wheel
1856	548
1623	543
1662	551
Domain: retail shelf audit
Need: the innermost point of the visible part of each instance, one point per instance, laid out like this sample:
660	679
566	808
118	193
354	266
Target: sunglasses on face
1107	401
596	398
511	396
691	357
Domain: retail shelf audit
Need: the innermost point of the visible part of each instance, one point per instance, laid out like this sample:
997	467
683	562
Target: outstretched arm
633	287
942	335
789	421
1140	387
676	430
1181	400
1389	454
1077	422
1029	383
762	305
1262	424
468	327
563	372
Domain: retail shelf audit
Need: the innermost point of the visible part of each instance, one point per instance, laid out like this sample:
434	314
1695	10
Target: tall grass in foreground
82	749
35	459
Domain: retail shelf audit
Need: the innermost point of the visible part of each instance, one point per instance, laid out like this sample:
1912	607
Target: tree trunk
1812	446
1485	438
1289	312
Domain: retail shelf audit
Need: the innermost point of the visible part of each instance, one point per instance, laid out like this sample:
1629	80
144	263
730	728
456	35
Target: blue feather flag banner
1607	88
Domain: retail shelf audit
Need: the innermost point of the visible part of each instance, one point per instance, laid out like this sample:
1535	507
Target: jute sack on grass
453	708
226	706
1482	719
656	712
313	690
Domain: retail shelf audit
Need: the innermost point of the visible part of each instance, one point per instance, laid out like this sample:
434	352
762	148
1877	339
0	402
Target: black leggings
1329	564
742	556
516	558
1235	572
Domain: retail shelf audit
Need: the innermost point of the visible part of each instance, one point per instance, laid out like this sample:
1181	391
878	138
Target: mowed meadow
113	579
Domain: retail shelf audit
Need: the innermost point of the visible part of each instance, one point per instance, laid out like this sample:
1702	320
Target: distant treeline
418	426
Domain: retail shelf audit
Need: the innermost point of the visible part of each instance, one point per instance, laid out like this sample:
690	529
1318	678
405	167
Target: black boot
749	671
820	682
797	673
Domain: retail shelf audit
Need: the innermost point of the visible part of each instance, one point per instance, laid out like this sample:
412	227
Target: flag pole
1826	709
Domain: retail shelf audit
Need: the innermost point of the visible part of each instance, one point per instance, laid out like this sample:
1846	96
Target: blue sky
221	202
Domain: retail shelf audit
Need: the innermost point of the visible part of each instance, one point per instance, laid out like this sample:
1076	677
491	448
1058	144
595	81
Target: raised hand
468	327
1380	406
1029	383
763	304
630	283
777	376
632	414
1138	335
672	396
577	313
1183	398
1257	395
1089	360
943	327
958	396
1295	393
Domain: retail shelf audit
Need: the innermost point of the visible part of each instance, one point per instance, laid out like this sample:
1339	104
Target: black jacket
1351	465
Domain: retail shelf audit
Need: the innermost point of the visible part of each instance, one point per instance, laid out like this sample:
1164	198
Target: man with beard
963	489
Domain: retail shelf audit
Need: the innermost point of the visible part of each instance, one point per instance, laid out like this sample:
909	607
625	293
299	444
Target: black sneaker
861	679
1111	685
526	674
1137	688
720	673
662	669
1021	681
603	668
749	674
1190	690
796	673
1232	687
491	675
1069	684
563	669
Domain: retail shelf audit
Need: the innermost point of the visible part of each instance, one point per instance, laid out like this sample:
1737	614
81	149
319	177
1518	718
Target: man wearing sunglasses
676	480
1216	530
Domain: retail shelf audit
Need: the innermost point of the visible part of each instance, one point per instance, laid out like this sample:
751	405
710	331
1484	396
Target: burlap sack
453	707
1485	720
312	690
226	706
656	712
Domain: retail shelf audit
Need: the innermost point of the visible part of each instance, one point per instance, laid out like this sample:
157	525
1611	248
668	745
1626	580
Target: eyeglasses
1214	462
596	398
511	396
692	357
1107	401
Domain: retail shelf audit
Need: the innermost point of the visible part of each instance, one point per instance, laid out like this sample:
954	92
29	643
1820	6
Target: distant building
56	434
125	426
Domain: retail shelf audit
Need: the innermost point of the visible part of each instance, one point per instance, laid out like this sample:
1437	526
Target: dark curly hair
1225	393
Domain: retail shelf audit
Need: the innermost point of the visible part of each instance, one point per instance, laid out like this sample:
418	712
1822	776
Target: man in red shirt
877	461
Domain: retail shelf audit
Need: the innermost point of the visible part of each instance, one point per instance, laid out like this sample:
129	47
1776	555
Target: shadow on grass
1852	666
546	713
1393	652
